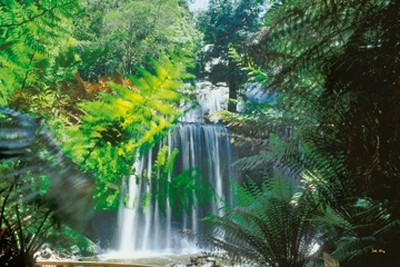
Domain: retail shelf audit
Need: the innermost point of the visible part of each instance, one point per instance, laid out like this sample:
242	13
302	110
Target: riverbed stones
202	261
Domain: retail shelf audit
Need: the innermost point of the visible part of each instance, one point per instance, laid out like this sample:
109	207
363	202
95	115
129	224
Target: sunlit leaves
129	120
30	32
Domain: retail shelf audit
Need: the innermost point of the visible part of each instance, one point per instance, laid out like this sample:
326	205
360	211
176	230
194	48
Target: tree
122	34
228	24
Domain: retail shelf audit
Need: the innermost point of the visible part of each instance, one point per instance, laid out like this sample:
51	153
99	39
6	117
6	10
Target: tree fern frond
271	226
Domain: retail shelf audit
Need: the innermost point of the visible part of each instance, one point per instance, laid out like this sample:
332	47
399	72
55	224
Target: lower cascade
144	229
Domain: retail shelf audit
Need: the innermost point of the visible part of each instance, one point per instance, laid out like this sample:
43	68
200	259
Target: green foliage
40	186
31	35
123	34
226	21
68	240
38	59
130	120
272	226
180	190
333	66
49	92
227	24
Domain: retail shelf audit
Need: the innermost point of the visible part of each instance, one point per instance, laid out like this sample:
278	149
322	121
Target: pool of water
163	259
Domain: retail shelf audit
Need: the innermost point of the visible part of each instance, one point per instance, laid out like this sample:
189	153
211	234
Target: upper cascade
211	98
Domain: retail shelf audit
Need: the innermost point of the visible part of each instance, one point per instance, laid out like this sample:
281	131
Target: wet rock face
211	98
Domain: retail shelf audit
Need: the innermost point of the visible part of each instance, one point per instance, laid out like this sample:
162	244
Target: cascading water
144	229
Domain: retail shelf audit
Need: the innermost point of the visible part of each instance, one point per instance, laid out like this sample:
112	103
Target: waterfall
143	228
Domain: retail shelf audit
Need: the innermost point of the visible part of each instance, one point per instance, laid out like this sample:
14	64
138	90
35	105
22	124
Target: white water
211	98
144	230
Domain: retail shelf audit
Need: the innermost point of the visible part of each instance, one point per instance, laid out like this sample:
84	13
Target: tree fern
333	66
271	226
351	50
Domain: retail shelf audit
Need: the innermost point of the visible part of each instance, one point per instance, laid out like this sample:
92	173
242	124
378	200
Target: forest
240	133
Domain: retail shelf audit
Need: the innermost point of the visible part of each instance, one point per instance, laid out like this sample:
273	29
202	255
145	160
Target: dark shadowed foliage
270	226
40	188
348	53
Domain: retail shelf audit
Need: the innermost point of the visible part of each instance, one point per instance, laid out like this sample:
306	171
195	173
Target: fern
30	31
129	120
269	226
181	190
328	63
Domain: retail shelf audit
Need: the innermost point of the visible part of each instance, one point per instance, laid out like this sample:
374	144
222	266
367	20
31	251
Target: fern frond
268	226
